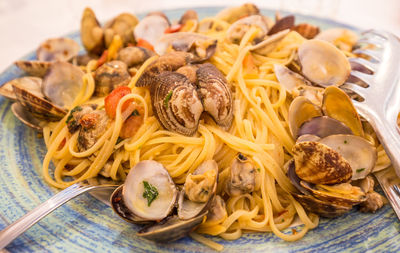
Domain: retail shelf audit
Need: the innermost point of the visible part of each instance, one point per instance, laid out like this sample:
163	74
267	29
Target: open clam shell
171	229
57	49
320	207
319	164
25	117
294	179
242	177
151	28
269	43
337	104
322	63
232	14
282	24
109	76
176	103
301	110
239	28
123	25
33	100
215	94
360	154
62	83
92	34
323	126
342	38
187	208
29	82
34	68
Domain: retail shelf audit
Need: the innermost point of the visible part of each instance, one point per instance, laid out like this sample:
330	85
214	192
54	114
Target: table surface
25	24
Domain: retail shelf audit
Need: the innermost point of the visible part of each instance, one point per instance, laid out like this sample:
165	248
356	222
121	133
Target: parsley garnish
167	99
75	109
150	192
135	113
345	141
258	169
119	140
359	170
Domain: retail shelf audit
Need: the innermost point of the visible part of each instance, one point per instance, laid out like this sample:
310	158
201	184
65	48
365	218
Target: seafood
176	103
123	25
151	28
269	43
301	109
242	177
34	68
149	195
189	21
109	76
233	14
215	94
282	24
92	34
58	49
342	38
323	63
238	29
30	82
134	56
306	30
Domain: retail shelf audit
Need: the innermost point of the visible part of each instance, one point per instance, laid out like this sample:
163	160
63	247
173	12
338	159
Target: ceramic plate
88	225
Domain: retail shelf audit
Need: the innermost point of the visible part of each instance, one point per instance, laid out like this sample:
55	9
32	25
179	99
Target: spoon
19	226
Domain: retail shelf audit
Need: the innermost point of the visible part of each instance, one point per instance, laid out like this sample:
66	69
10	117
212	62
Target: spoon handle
22	224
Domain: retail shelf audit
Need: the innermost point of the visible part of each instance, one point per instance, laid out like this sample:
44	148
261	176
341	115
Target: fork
381	101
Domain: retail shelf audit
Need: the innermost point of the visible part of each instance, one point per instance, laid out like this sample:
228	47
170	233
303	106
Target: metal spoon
19	226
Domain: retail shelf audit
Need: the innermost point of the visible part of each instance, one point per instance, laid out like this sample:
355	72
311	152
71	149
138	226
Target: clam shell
176	103
323	126
25	117
232	14
322	63
301	110
151	28
282	24
306	30
32	99
215	94
340	37
57	49
168	62
92	35
353	195
360	154
239	28
319	164
289	79
29	82
337	104
123	25
294	179
269	43
320	207
109	76
134	56
34	68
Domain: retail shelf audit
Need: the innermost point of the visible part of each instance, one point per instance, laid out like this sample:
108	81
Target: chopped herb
139	147
345	141
167	99
75	109
135	113
150	192
258	169
360	169
282	220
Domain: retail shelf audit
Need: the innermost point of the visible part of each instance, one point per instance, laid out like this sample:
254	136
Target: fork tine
368	64
373	41
372	53
354	87
378	33
368	79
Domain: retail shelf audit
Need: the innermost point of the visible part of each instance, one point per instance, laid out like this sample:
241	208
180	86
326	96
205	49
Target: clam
294	179
242	176
215	94
176	103
282	24
198	190
308	137
134	56
168	62
190	72
189	21
6	90
289	79
239	28
32	99
217	212
319	164
202	47
320	207
148	194
123	25
93	125
34	68
337	104
62	83
232	14
25	117
306	30
323	63
269	43
360	154
342	38
301	110
109	76
57	49
92	34
323	126
151	28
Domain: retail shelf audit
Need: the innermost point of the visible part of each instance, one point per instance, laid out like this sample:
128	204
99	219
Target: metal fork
381	103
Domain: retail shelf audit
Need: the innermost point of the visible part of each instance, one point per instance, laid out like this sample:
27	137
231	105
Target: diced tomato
133	123
62	144
249	65
173	28
111	101
145	44
102	59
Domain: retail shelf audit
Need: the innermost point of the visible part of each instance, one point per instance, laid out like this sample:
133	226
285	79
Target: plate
88	225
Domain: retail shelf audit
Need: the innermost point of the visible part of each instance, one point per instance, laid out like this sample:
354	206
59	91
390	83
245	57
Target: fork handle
19	226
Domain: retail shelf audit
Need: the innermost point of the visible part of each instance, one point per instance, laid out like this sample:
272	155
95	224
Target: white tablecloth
24	24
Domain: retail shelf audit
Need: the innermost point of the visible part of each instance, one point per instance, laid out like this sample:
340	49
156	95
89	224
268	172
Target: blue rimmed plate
87	225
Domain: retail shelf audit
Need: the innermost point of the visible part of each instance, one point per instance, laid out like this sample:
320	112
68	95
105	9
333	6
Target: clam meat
109	76
242	176
134	56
